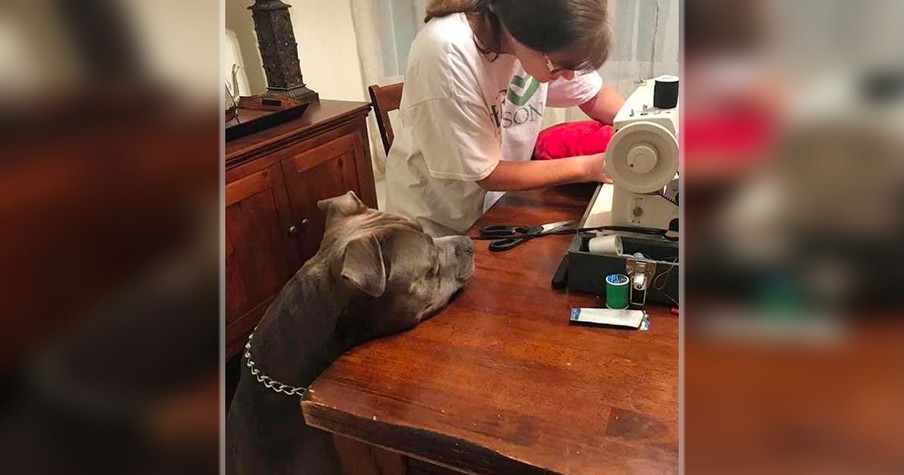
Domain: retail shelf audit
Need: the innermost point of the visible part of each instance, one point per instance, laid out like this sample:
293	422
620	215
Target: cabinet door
321	172
260	254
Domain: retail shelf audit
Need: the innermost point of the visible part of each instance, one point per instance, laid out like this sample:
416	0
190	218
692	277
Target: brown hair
441	8
579	28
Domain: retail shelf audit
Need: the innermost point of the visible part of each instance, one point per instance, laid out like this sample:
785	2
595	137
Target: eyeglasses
553	69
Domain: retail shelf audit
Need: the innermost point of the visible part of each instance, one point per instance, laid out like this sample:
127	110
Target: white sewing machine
642	157
642	160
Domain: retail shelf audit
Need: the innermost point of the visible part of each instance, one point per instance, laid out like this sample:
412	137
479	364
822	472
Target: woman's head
550	38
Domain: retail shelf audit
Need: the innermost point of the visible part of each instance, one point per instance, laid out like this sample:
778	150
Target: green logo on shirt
527	84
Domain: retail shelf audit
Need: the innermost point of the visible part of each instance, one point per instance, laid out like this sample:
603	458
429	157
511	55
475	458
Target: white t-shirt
460	114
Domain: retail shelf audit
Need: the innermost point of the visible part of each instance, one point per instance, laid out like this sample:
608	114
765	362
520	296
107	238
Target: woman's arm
516	176
604	106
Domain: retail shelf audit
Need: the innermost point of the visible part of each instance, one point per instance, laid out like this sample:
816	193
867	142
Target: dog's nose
464	246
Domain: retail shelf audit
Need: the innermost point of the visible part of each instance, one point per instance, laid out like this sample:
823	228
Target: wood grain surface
499	382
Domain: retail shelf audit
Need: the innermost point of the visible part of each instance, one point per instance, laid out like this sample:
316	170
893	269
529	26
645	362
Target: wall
327	47
240	29
232	56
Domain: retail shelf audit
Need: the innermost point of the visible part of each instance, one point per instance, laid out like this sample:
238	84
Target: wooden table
499	382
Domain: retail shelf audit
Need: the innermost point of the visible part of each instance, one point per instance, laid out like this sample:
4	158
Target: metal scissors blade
550	227
512	242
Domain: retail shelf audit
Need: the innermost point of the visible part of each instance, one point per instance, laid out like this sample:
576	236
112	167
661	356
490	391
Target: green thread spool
617	291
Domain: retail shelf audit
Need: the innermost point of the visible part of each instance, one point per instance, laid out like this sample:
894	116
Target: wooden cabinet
260	253
327	170
274	179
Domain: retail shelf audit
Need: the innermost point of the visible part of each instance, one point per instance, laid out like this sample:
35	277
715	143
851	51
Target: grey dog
375	274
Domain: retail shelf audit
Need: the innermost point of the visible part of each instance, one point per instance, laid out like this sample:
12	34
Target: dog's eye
434	269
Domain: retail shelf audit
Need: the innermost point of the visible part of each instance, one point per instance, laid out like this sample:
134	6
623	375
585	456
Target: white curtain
385	30
645	34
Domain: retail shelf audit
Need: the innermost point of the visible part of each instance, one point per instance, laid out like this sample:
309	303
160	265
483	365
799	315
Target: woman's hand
512	176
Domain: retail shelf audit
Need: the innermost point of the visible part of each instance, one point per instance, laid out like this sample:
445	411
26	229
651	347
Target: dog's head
397	274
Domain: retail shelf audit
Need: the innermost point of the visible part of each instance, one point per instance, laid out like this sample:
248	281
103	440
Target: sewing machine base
587	271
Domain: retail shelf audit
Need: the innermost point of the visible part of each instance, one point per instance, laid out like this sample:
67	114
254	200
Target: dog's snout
459	254
464	247
464	252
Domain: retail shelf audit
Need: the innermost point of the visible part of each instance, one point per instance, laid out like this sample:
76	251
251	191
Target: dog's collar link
267	381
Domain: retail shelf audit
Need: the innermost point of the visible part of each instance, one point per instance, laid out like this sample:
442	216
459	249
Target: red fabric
729	133
571	139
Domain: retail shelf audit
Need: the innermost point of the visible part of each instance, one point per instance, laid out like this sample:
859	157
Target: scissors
509	237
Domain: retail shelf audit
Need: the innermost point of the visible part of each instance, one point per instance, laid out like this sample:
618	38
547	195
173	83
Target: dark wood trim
365	169
384	100
359	458
276	155
417	443
319	117
316	156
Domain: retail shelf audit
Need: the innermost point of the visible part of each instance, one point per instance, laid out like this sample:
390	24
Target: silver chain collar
267	381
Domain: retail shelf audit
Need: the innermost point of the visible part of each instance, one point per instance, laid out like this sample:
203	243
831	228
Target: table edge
471	457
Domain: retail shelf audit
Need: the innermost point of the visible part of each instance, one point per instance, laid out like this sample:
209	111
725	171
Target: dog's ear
363	266
340	207
346	205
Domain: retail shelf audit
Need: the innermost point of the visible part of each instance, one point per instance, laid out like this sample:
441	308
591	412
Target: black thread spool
665	92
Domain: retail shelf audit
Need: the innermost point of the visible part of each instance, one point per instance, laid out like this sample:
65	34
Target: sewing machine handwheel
654	149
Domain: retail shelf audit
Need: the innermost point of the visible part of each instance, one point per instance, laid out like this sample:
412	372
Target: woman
480	76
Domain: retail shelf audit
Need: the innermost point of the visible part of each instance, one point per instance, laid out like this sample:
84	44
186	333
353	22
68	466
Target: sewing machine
642	161
642	158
